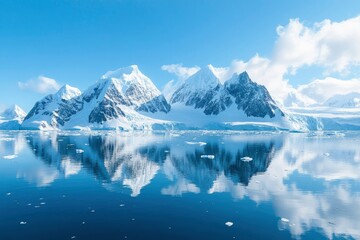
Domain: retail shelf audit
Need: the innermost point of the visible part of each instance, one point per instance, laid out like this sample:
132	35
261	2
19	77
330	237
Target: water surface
179	185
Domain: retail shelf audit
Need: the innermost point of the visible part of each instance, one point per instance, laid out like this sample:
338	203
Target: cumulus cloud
180	71
40	84
333	45
322	89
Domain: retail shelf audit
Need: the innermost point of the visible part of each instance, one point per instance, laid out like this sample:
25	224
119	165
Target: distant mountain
204	91
115	101
49	112
296	99
126	99
351	100
11	118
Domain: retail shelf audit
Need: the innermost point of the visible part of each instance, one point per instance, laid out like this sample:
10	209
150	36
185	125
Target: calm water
107	185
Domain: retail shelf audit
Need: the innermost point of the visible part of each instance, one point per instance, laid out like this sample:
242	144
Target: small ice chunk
79	151
285	220
327	154
246	159
8	194
23	223
122	205
42	203
92	211
9	157
73	237
196	143
208	156
229	224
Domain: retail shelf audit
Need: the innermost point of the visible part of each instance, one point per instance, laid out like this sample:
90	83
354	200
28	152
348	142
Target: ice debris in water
122	205
246	159
7	139
196	143
229	224
79	151
23	223
208	156
10	156
285	220
327	154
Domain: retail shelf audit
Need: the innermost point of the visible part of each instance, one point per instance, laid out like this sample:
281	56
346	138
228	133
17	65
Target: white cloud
180	71
40	84
321	90
333	45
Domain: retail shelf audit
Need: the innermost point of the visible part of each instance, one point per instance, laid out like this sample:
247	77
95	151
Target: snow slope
11	118
351	100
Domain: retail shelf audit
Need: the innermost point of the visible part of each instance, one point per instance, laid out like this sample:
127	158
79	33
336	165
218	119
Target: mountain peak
205	78
241	78
120	73
350	100
13	112
67	92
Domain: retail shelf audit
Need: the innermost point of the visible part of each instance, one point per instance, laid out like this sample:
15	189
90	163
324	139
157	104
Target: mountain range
126	99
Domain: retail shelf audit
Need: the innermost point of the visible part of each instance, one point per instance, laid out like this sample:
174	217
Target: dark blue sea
179	185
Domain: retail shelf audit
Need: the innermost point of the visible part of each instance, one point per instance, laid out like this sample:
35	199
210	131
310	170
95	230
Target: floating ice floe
23	223
327	154
10	157
246	159
122	205
79	151
5	139
229	224
208	156
196	143
285	220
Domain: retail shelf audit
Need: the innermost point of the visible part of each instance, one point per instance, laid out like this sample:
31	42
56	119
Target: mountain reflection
134	160
309	179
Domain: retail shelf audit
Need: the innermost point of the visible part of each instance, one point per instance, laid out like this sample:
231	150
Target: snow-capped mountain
351	100
11	118
204	91
198	89
126	99
115	101
296	99
49	112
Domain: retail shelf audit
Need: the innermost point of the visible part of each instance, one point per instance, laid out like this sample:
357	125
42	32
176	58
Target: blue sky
76	41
